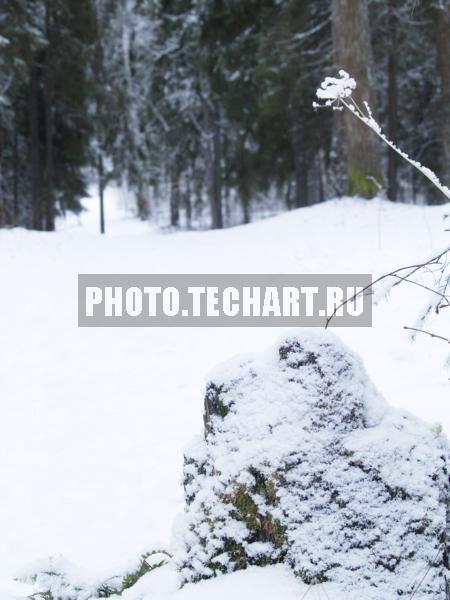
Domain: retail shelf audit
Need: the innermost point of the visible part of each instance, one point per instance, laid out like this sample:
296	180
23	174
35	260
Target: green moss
246	508
264	527
361	185
236	553
214	404
144	567
309	579
437	428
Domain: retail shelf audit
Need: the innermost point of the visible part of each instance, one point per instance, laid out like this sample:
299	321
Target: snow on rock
303	463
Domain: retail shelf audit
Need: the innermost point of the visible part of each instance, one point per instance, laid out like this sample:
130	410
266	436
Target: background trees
44	127
202	109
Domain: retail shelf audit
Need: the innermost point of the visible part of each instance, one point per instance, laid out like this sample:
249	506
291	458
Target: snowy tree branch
337	93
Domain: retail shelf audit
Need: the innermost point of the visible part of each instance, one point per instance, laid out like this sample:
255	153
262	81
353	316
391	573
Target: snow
270	582
334	89
265	583
93	421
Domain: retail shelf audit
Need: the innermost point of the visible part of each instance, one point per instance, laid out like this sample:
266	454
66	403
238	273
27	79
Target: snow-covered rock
303	463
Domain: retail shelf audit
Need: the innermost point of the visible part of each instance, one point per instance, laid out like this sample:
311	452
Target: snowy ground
93	421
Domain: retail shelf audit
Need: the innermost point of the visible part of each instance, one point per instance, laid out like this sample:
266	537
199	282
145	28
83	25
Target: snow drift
303	463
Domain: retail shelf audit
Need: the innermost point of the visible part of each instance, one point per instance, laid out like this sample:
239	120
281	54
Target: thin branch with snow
336	92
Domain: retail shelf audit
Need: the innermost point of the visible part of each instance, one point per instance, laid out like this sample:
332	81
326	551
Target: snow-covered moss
302	462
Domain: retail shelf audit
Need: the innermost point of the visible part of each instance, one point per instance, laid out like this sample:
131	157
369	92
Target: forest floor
93	421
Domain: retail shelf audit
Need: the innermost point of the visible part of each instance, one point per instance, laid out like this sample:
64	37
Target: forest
203	109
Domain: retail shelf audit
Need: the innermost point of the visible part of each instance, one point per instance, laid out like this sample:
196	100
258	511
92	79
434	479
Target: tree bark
35	149
215	168
49	191
392	99
175	195
352	50
187	203
301	191
3	217
101	190
16	173
143	204
288	194
443	58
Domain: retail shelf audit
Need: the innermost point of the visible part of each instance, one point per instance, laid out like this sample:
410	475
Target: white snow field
93	421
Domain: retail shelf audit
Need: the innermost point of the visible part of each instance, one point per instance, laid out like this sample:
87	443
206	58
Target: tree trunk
3	217
187	202
351	40
245	201
215	167
175	195
300	192
143	205
321	173
16	173
101	190
443	57
35	149
288	194
49	192
392	99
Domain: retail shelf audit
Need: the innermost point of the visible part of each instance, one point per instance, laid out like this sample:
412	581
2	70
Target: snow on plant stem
336	92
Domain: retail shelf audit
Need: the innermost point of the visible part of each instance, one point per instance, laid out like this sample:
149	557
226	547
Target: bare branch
433	335
413	268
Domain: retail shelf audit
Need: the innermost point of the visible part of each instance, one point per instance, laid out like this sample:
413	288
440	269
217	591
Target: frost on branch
303	463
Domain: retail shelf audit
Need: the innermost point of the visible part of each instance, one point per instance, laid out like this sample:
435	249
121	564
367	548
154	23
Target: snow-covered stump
302	462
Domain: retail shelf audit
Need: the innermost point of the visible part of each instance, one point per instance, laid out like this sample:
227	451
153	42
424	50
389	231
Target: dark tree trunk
321	173
245	201
15	173
3	216
187	202
36	192
101	190
244	185
351	40
300	192
175	195
198	194
443	56
48	98
215	167
392	99
288	194
143	205
98	61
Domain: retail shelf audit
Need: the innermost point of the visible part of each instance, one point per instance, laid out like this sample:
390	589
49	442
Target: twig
433	335
394	273
416	587
307	591
425	287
